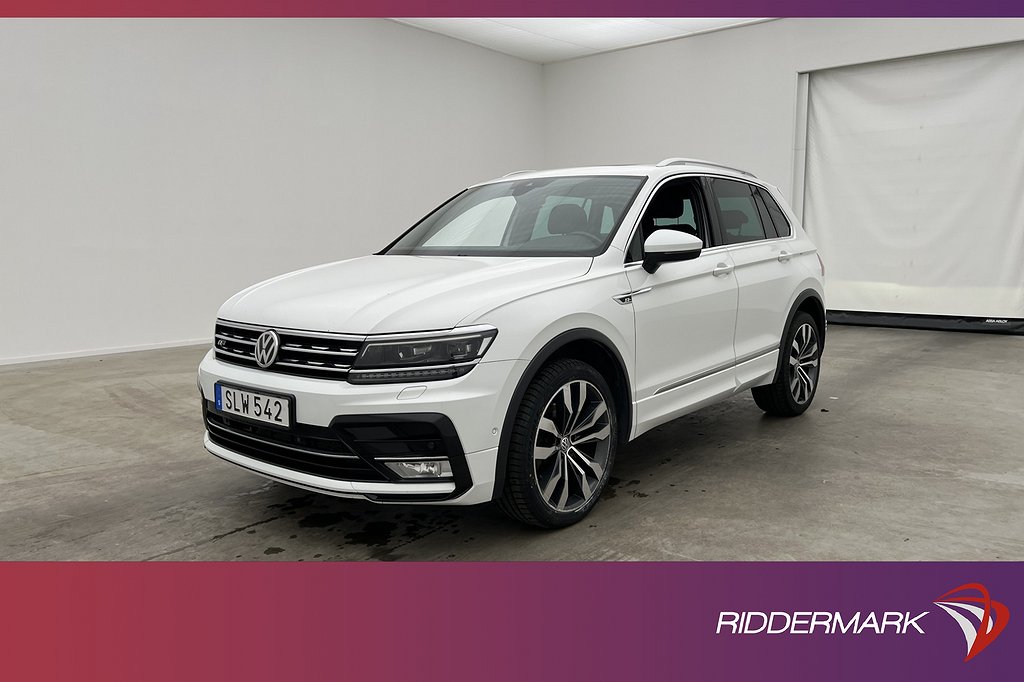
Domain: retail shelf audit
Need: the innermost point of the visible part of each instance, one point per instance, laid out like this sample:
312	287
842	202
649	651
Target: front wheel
562	446
796	381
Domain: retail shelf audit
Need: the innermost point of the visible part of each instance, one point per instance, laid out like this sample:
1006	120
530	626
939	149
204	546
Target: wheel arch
809	301
588	345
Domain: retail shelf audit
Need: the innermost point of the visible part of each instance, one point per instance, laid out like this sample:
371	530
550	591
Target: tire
796	380
562	446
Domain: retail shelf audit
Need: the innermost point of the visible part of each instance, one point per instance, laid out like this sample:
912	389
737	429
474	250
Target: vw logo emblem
266	349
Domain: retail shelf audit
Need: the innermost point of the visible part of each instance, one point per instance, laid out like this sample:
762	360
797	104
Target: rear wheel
562	446
792	391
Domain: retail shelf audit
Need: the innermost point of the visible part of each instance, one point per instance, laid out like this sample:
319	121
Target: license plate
275	410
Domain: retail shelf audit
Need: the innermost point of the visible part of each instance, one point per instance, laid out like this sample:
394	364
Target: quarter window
782	227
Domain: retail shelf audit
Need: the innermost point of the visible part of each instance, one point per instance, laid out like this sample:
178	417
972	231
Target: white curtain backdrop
915	183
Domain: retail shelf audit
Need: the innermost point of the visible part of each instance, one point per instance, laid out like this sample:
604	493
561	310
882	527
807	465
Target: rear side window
778	216
737	213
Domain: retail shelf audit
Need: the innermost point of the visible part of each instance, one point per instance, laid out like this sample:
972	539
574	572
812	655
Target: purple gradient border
510	8
484	621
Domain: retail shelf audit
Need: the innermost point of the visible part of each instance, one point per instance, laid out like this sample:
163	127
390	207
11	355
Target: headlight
421	357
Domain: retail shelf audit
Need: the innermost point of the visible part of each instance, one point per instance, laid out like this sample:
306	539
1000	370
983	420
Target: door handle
784	256
721	270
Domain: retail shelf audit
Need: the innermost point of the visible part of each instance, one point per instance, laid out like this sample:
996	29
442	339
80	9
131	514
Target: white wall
151	168
729	96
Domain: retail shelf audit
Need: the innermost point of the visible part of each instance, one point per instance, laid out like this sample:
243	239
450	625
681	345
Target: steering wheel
589	235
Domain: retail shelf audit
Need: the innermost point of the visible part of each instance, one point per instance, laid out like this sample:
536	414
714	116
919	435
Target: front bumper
467	411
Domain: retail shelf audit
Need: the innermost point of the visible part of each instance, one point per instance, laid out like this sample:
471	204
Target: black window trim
762	210
716	234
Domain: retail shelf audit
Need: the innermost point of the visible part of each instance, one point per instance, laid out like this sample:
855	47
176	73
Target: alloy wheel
803	363
571	446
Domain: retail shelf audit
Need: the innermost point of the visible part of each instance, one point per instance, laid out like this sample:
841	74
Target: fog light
424	468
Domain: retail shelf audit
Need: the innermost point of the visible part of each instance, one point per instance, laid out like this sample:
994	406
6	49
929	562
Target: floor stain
609	488
325	519
373	534
293	503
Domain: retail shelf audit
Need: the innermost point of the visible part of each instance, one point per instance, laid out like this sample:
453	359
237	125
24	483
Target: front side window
677	205
738	215
560	216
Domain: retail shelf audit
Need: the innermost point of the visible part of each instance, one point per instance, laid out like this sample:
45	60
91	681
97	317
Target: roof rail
679	161
520	172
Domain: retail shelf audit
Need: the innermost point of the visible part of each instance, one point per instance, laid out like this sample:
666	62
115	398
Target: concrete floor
913	450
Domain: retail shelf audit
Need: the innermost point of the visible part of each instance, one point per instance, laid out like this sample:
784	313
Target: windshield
560	216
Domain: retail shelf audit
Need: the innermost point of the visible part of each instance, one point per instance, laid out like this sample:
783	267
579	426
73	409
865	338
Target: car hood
385	294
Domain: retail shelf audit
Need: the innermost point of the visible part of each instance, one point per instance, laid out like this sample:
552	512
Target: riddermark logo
992	616
962	603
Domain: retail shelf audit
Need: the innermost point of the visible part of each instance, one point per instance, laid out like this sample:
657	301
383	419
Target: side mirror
666	246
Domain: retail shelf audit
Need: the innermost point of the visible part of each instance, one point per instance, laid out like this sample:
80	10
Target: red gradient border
508	8
481	621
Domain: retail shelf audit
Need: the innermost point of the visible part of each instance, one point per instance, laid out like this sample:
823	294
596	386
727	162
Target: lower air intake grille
309	449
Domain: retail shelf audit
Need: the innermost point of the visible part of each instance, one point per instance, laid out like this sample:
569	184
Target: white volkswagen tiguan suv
506	345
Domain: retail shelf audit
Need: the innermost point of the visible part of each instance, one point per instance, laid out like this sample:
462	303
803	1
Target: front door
685	313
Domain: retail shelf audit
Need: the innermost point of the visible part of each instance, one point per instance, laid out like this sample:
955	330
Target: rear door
765	277
685	312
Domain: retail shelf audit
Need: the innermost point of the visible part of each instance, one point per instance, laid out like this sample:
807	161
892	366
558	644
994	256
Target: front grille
309	449
305	354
